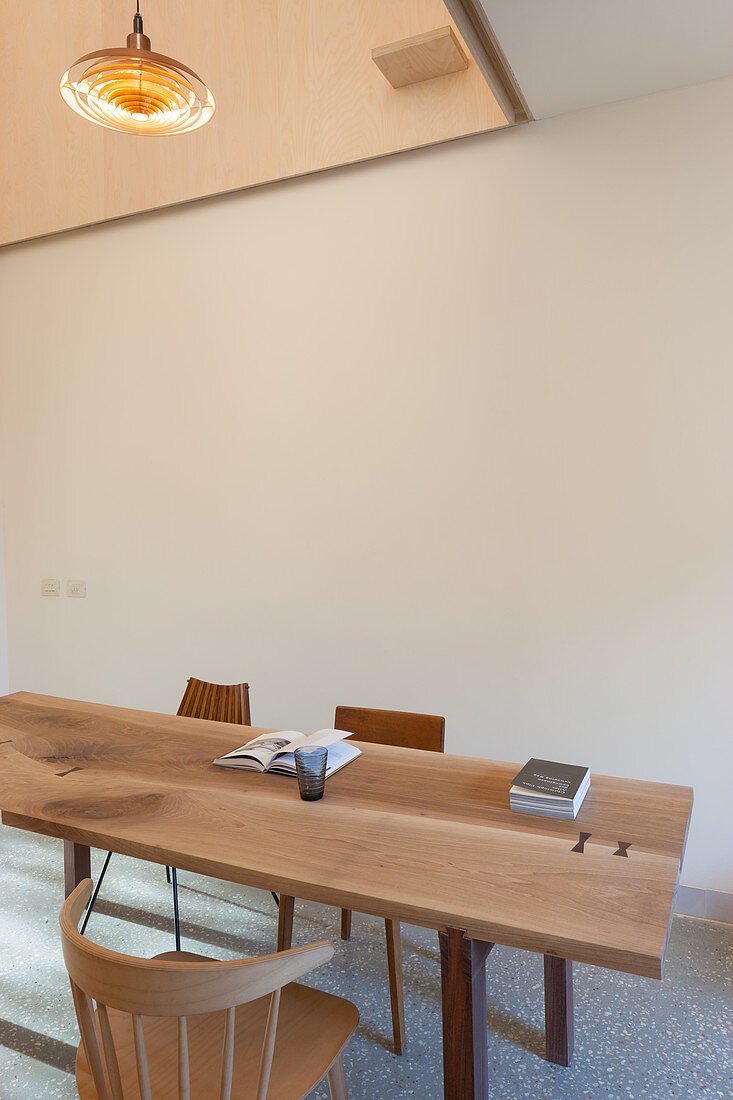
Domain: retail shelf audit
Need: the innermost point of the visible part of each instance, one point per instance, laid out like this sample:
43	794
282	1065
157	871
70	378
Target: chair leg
285	923
102	873
345	924
275	898
396	989
337	1080
176	918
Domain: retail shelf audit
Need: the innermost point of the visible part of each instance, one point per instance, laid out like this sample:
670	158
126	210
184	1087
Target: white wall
449	432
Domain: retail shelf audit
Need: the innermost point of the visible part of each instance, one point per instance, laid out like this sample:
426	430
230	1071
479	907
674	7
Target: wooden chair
379	727
182	1025
217	702
220	703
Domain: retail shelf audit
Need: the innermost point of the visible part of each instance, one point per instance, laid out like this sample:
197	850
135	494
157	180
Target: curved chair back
393	727
156	987
218	702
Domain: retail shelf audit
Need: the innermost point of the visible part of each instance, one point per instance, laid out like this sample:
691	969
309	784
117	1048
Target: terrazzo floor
634	1037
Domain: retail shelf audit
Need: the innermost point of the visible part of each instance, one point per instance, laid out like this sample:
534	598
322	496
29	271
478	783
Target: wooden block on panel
336	107
422	57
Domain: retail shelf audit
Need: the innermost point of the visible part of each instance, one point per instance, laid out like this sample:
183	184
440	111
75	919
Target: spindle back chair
171	1023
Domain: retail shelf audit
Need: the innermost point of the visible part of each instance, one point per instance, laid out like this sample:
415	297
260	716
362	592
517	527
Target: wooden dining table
413	836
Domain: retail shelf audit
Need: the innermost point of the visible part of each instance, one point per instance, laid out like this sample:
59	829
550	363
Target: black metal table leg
88	913
176	919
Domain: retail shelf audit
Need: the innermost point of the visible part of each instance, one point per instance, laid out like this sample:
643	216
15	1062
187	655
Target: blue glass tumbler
310	765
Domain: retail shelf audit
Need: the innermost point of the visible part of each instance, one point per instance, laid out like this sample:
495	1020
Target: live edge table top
417	836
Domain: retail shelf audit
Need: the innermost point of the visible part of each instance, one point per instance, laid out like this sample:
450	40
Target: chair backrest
218	702
156	987
393	727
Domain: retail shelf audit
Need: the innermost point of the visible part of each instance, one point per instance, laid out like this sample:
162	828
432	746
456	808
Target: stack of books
550	789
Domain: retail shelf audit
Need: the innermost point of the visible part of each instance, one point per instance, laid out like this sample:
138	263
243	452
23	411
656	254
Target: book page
265	747
320	739
339	754
272	746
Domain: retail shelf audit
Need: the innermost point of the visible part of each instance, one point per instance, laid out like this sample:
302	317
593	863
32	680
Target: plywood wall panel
51	168
233	47
295	86
337	107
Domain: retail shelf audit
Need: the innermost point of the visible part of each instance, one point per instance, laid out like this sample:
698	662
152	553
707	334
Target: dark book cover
551	778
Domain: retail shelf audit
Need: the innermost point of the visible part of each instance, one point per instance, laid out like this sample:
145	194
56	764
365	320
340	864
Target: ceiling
571	54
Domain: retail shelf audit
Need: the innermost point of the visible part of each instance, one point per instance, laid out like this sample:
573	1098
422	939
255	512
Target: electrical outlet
50	587
76	588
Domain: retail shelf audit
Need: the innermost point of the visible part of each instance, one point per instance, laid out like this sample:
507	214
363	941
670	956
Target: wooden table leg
465	1036
559	1027
285	914
396	987
77	865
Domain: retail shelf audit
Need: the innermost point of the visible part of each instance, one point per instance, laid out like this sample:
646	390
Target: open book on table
274	752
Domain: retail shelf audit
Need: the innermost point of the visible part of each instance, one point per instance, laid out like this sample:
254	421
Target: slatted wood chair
217	702
181	1025
379	727
220	703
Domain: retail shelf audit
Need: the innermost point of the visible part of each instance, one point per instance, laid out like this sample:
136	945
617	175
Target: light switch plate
76	588
50	587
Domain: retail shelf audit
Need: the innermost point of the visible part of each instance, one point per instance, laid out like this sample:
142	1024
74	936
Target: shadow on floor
238	944
38	1046
520	1034
184	888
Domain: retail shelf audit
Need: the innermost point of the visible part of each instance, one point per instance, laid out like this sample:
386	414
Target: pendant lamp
135	91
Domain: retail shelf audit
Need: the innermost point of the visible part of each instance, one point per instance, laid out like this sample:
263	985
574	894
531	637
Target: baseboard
710	904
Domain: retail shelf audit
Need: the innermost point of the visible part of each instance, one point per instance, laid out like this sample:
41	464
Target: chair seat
312	1029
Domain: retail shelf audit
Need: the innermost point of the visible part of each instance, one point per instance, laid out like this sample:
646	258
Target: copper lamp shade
136	91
